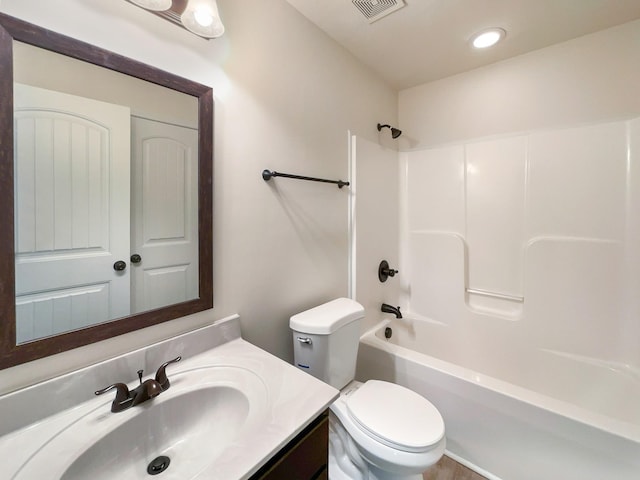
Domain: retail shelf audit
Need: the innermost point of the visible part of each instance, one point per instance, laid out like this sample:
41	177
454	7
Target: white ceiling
429	39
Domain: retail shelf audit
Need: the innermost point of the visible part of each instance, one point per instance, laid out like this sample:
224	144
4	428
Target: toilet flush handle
306	340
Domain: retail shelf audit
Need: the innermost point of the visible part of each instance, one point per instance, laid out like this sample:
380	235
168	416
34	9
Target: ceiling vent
374	10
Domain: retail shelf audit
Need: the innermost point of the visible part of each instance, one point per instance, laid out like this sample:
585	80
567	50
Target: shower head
395	132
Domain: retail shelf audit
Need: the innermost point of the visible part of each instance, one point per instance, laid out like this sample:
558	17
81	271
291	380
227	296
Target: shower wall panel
436	276
494	214
436	178
577	182
551	217
375	225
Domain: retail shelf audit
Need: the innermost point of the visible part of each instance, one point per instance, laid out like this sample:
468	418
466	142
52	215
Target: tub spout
386	308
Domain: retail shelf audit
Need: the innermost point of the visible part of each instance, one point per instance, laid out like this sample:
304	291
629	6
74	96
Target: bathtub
516	415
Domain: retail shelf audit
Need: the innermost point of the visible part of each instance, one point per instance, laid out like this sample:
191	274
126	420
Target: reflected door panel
164	214
72	163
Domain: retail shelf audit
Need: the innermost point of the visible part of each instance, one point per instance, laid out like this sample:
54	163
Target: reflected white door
164	214
72	164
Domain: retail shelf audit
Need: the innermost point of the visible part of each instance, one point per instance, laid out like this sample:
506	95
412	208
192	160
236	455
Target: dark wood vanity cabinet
303	458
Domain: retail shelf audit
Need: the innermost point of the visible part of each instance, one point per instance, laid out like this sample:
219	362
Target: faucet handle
123	397
161	374
385	271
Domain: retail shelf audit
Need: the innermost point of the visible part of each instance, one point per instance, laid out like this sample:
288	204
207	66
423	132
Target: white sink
212	406
231	407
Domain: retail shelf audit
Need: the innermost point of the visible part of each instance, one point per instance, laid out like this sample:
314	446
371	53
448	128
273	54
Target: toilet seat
395	416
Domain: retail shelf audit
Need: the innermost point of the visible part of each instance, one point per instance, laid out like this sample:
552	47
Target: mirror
105	171
127	119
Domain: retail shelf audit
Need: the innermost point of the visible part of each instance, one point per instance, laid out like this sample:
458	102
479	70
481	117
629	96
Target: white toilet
378	430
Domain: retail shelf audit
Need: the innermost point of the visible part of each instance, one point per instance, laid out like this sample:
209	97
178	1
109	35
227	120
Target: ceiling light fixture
200	17
488	38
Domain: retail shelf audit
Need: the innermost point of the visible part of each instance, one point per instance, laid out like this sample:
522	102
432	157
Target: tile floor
448	469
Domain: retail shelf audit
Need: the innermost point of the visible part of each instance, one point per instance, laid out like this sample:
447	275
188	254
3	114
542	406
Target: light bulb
202	18
155	5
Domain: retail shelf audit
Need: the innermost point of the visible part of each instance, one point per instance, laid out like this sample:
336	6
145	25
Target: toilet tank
325	340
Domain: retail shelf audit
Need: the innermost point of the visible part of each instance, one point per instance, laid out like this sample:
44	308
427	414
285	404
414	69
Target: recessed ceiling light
488	38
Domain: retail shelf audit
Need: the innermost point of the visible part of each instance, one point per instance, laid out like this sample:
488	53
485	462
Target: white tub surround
520	263
37	416
509	420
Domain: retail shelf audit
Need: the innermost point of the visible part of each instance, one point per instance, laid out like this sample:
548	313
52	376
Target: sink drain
158	465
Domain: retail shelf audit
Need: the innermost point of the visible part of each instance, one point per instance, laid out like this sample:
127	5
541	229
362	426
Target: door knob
135	258
119	266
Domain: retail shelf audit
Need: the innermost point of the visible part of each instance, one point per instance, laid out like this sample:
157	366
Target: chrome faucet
386	308
147	390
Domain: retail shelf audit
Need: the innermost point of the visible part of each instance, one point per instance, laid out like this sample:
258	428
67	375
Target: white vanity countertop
294	400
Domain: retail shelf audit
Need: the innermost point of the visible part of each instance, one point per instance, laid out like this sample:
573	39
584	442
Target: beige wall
285	97
588	79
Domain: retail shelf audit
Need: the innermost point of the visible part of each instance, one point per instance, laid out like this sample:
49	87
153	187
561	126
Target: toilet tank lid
328	317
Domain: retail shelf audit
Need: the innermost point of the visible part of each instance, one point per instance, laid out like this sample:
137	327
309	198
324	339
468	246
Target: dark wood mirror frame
11	354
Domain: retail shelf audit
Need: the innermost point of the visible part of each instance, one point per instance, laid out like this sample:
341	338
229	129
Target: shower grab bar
268	174
502	296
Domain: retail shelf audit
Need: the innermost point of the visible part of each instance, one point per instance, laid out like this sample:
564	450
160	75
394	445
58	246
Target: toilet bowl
382	431
377	430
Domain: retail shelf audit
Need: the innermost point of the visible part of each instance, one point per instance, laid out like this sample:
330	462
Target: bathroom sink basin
210	407
231	407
